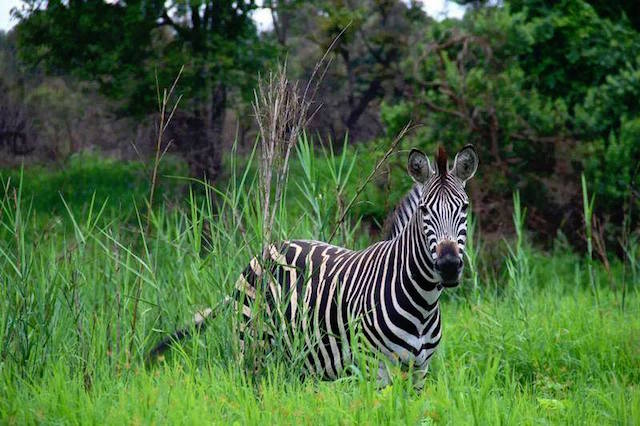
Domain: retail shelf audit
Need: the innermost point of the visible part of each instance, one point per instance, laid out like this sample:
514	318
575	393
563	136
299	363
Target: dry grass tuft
282	113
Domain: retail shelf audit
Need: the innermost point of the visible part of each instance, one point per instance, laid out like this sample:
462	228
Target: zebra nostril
448	267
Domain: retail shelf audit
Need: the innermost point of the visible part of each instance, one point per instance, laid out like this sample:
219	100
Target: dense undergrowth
86	289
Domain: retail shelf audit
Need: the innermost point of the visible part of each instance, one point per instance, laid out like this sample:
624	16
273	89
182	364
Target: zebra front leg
384	375
419	377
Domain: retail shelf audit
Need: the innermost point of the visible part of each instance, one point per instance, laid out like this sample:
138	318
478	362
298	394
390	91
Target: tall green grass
526	343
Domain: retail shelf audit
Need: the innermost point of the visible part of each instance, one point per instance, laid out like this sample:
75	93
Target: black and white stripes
403	212
388	291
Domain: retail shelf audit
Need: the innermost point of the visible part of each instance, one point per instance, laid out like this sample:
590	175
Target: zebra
388	291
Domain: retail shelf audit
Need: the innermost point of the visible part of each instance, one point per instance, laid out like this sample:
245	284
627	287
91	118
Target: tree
124	45
371	41
545	92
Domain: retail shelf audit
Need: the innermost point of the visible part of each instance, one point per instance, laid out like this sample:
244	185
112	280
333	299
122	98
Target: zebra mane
401	214
441	161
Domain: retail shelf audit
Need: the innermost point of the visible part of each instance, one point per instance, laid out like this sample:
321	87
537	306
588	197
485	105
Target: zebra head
443	206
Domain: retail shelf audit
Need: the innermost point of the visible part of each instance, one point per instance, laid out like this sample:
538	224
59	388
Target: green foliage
614	168
544	90
573	47
470	87
91	40
125	46
395	117
374	39
529	346
605	106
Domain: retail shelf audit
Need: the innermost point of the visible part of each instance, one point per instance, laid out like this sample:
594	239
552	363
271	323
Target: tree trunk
199	136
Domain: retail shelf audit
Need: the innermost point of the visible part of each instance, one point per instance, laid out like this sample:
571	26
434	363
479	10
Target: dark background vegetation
546	91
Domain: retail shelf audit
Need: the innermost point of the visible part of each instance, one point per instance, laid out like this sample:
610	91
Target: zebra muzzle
448	263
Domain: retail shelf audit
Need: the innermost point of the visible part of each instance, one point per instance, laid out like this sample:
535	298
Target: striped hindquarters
289	298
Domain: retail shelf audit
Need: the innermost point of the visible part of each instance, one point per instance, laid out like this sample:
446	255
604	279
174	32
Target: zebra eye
423	209
464	207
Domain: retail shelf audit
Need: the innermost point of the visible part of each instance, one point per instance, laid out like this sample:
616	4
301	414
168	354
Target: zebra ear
418	166
465	164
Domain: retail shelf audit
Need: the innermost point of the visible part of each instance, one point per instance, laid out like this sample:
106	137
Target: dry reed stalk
282	113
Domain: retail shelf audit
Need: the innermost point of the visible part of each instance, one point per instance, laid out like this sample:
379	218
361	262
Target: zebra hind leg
419	377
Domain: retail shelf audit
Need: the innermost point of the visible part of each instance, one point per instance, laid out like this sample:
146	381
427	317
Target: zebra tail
200	321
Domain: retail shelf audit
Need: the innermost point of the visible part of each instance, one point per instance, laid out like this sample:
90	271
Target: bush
544	91
613	165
